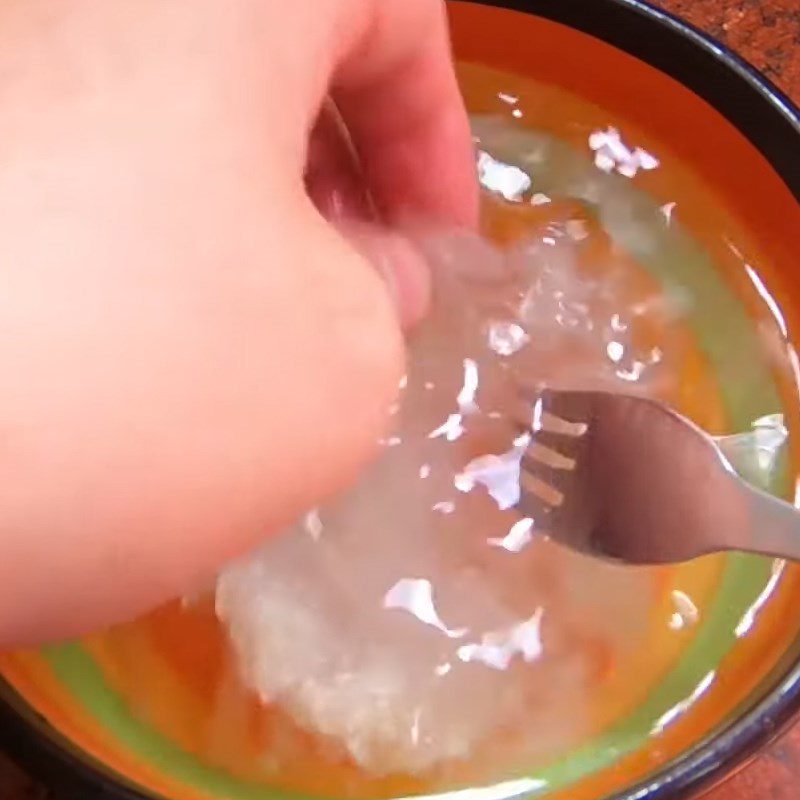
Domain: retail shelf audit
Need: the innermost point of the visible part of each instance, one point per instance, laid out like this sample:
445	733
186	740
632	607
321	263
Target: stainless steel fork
629	479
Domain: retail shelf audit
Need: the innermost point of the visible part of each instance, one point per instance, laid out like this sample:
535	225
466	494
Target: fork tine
536	420
548	494
549	457
534	415
563	427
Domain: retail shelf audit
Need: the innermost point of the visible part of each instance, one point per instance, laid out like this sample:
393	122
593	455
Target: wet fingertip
411	276
402	266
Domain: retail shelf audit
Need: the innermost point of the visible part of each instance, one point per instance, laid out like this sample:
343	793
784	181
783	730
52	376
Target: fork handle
774	528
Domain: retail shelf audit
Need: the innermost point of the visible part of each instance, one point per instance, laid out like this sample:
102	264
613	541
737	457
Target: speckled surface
767	33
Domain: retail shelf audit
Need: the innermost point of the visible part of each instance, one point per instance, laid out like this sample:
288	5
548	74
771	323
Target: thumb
194	427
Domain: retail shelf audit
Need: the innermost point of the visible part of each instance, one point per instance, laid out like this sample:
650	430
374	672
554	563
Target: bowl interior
732	246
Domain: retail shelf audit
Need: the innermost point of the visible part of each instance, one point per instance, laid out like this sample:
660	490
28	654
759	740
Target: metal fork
629	479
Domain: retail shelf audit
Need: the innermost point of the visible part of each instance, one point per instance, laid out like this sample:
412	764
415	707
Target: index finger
397	92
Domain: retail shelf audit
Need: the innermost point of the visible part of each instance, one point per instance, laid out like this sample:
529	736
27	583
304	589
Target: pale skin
191	354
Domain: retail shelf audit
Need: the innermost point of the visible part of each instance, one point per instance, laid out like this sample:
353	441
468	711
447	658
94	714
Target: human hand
190	353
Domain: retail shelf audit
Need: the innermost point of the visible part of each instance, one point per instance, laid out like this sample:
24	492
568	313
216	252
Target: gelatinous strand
395	621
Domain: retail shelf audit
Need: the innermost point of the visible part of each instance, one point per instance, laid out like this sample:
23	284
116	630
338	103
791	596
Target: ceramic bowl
740	137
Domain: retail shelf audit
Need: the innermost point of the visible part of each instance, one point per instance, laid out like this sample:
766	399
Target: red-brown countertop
767	33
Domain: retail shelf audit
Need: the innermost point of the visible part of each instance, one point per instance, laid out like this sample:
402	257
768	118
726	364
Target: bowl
734	139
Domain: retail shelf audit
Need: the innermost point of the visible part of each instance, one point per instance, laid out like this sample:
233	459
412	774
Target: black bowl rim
771	121
731	85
